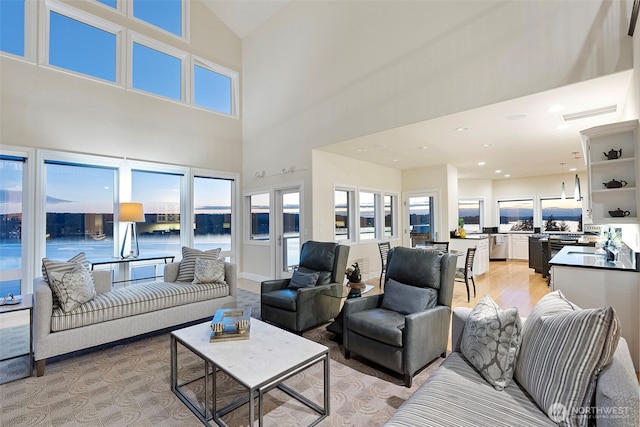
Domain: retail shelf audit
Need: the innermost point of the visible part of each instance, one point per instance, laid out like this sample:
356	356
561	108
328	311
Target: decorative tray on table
231	324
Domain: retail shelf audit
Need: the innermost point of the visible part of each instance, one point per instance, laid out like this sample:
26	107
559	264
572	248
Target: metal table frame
210	368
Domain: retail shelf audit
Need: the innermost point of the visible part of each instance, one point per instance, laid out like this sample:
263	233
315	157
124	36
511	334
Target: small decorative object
10	299
217	328
231	324
353	273
613	154
461	231
615	183
242	326
619	213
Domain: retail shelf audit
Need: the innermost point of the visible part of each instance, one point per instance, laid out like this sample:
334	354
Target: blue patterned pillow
491	341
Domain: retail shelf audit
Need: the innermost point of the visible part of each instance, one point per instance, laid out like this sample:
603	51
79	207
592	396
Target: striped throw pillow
51	266
188	263
563	350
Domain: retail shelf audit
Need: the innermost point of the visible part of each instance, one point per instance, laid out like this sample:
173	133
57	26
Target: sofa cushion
564	348
300	279
379	324
491	341
49	265
407	299
72	288
135	299
188	262
282	298
208	271
456	395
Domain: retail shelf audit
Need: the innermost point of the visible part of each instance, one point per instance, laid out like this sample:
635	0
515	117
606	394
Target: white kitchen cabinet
597	142
519	246
481	260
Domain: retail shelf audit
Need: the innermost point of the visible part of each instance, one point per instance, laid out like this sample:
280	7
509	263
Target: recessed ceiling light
423	147
394	160
590	113
486	145
507	175
573	170
462	129
360	150
498	171
555	108
517	116
562	126
481	163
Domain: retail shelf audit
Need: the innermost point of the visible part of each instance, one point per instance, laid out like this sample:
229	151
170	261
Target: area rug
128	384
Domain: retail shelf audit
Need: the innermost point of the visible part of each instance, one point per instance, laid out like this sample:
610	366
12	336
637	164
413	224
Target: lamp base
134	243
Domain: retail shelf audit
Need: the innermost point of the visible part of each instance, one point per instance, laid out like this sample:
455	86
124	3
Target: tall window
212	205
110	3
390	216
515	215
343	208
213	87
471	212
165	14
259	208
159	194
156	71
368	215
12	26
11	173
561	215
79	207
77	46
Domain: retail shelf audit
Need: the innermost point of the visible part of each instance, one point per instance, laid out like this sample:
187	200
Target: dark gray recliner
404	343
305	308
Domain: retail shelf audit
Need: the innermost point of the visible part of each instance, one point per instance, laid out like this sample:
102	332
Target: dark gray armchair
304	308
395	329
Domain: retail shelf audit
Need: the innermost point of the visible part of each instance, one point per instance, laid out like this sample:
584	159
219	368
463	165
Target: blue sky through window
156	72
211	90
12	26
110	3
80	47
166	14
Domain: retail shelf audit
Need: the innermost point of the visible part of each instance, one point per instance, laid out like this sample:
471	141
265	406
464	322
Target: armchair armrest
101	280
425	336
42	312
231	277
360	304
273	285
171	271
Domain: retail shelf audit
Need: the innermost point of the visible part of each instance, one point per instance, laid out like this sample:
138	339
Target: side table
348	292
10	364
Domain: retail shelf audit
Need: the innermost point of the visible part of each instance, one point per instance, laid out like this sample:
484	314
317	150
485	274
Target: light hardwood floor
510	284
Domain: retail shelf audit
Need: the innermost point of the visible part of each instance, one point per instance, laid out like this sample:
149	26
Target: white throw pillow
73	288
491	341
208	271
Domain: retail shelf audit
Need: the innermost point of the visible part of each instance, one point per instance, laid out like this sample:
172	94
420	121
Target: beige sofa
125	312
456	394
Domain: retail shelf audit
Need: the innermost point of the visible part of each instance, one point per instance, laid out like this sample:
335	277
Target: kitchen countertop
584	256
472	236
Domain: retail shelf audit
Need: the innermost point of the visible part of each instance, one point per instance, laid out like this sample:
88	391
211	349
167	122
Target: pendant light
576	189
563	195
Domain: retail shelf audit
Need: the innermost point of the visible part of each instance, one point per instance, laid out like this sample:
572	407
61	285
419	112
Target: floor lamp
133	213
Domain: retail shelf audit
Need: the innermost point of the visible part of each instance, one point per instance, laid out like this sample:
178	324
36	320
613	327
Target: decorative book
231	324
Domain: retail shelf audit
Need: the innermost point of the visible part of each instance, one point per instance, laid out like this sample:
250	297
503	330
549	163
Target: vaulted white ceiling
244	16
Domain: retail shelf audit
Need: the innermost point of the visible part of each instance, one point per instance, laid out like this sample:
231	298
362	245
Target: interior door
420	218
287	229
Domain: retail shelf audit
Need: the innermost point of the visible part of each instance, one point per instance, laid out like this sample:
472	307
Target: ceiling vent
590	113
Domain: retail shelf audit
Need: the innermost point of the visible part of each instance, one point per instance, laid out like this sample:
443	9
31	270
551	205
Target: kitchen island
589	281
481	242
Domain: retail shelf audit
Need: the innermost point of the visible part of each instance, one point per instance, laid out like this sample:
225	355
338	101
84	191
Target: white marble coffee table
260	363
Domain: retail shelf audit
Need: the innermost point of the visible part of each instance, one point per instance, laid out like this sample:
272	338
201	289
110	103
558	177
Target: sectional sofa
125	312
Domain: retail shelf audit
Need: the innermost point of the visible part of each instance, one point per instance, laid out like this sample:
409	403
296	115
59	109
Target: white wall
45	108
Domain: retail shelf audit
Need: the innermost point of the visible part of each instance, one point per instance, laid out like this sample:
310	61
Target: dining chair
441	246
464	274
383	247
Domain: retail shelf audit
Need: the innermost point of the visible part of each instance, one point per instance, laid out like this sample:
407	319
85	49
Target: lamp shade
131	212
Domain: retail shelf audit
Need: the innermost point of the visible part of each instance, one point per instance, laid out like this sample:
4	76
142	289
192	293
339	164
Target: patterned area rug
128	384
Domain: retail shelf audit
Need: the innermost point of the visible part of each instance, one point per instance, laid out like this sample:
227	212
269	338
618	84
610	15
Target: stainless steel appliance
498	247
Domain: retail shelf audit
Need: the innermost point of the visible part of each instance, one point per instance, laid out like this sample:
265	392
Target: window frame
185	76
70	12
482	216
534	208
216	68
352	212
378	210
185	22
248	230
541	222
395	223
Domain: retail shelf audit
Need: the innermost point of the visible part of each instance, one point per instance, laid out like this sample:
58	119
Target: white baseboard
254	277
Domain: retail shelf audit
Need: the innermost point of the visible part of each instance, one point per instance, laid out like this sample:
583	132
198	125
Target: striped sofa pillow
51	266
187	267
563	350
